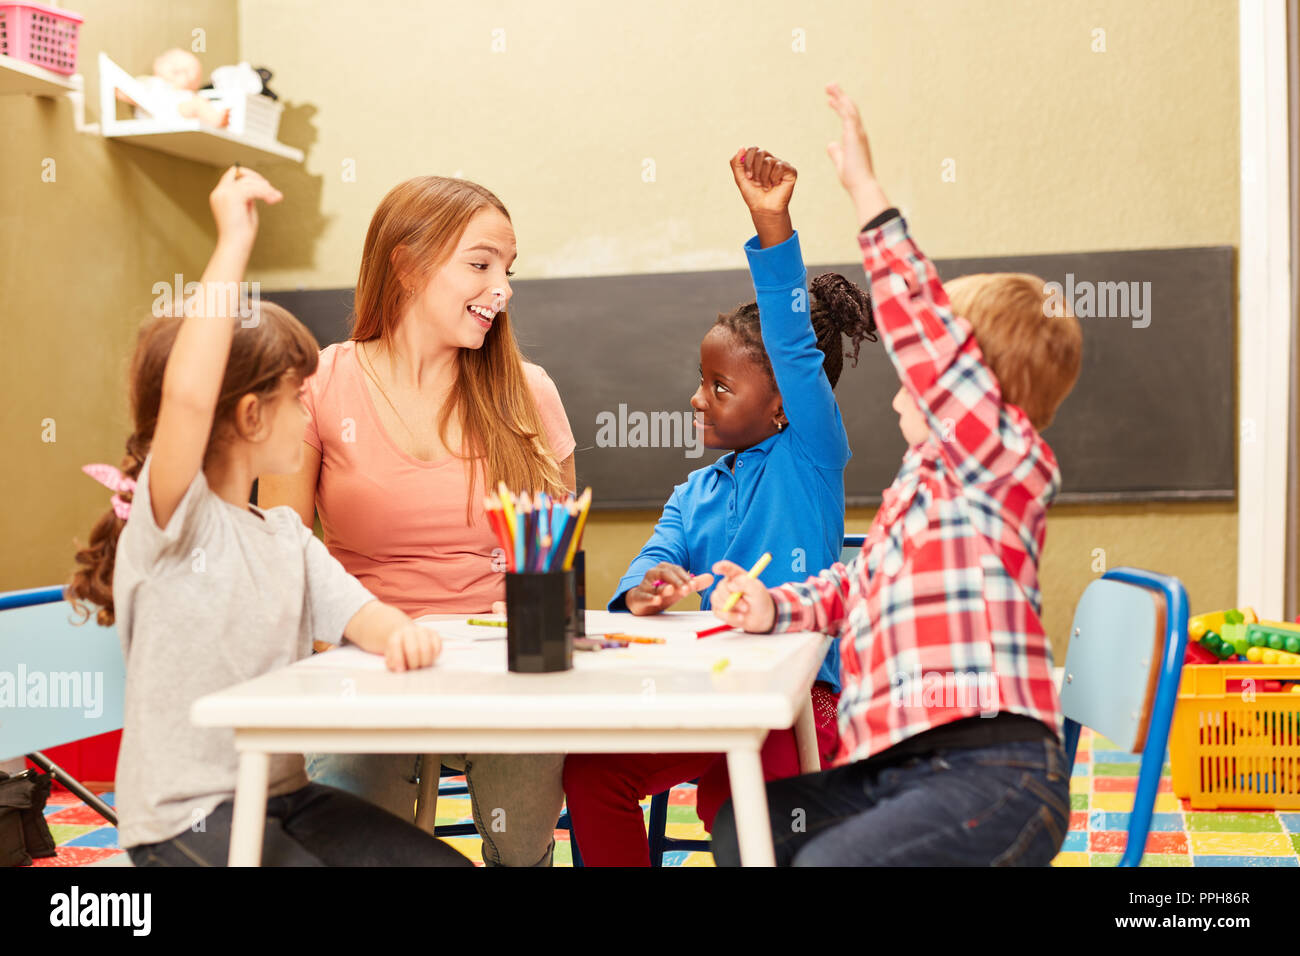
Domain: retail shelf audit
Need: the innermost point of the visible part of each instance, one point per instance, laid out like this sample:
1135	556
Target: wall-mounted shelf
19	76
186	138
203	145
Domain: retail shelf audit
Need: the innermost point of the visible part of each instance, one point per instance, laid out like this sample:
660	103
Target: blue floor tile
1076	841
104	836
1114	821
1246	860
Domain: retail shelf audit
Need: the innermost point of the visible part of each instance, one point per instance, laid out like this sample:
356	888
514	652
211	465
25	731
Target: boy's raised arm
934	351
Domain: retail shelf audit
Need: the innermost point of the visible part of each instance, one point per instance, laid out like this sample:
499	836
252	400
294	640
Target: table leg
249	818
805	738
426	806
749	801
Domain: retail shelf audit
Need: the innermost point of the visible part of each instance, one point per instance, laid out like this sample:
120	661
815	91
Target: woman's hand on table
663	586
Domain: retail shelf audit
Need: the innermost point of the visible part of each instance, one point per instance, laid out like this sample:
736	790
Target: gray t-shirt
219	596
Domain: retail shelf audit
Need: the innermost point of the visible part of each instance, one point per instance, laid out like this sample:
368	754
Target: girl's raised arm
766	183
197	364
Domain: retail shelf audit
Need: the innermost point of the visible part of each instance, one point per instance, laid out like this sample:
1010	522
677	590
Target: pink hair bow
116	482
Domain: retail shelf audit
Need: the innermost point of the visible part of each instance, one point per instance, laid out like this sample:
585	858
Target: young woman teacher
423	410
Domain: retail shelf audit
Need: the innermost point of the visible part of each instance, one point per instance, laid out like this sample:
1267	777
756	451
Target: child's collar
728	461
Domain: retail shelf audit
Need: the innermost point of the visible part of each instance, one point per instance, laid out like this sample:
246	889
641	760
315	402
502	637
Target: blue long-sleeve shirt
785	494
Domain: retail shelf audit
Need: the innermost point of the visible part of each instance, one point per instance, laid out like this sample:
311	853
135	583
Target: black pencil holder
579	584
539	621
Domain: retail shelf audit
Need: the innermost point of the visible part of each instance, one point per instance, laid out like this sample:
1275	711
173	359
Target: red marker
712	630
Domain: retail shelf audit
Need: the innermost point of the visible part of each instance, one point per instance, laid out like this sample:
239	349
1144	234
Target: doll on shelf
173	91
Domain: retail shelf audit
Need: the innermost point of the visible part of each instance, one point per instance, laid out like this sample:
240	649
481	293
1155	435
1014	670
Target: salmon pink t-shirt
397	523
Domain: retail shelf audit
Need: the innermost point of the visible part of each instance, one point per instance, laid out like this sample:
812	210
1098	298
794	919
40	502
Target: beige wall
1056	148
78	260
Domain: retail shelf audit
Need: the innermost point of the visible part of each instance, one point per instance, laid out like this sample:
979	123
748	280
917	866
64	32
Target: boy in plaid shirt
950	747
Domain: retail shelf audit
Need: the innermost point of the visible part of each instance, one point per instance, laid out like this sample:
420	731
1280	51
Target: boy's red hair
1034	354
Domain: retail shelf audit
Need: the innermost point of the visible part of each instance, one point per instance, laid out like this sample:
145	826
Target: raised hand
234	203
851	155
765	182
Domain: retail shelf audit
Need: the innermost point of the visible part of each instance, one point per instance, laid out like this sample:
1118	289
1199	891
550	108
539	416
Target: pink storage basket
41	35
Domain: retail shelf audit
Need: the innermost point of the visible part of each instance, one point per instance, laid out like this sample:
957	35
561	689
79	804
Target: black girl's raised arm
785	309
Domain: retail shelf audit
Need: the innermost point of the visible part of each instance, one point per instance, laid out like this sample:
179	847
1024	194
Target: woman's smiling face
461	298
736	405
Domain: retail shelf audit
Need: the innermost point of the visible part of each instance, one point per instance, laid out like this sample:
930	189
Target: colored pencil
497	520
482	623
566	536
636	639
525	511
753	572
558	529
713	630
520	537
507	505
584	505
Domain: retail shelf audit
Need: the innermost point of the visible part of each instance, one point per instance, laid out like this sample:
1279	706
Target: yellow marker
507	506
723	663
754	572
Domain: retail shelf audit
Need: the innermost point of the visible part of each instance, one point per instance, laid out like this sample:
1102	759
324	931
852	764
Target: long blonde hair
424	218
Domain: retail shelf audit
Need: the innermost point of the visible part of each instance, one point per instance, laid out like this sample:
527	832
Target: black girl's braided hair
839	310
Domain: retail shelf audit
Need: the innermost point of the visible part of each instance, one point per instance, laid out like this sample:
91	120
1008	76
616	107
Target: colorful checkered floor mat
1101	797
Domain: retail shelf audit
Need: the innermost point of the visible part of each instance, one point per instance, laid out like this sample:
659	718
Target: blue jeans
314	826
1004	805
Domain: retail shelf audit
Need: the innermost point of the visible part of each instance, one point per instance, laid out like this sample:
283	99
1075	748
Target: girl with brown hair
207	591
428	404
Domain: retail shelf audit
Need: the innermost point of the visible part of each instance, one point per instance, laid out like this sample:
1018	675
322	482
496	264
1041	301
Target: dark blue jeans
1004	805
314	826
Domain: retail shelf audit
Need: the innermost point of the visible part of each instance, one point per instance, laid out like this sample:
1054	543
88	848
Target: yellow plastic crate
1239	748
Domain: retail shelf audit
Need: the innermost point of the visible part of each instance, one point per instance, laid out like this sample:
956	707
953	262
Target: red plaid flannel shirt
938	615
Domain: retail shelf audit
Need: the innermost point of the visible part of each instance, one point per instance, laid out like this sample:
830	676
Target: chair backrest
59	681
852	545
1122	670
1113	661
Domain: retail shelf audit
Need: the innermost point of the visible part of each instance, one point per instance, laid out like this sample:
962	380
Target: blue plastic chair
39	636
1122	671
660	842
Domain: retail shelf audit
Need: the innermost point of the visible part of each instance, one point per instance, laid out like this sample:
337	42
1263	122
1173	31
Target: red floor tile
77	856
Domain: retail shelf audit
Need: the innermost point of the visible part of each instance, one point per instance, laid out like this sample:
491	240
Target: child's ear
250	418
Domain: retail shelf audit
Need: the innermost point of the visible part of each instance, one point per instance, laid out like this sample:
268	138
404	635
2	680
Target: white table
671	698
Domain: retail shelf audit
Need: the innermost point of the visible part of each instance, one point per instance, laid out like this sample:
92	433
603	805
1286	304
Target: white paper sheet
461	630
